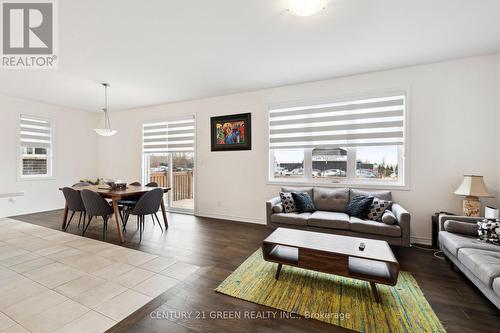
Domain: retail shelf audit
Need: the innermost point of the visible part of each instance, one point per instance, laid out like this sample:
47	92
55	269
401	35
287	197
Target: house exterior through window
35	147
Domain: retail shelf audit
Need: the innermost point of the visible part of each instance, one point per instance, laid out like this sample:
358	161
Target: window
377	163
35	147
169	160
352	142
329	163
289	163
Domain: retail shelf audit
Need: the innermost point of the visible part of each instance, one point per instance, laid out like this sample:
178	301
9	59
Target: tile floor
51	281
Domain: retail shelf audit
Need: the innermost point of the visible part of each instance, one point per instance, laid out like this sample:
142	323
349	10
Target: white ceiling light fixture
106	131
305	7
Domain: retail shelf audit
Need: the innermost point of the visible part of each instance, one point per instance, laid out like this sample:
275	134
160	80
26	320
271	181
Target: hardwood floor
219	247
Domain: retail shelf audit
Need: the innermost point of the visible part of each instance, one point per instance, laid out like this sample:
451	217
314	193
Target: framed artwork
232	132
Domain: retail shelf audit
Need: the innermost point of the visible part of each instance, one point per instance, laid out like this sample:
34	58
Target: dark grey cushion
359	206
484	264
458	227
331	199
331	220
291	218
303	202
375	228
309	190
453	242
389	218
382	195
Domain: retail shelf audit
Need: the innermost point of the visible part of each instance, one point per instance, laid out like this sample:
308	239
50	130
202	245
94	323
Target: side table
435	227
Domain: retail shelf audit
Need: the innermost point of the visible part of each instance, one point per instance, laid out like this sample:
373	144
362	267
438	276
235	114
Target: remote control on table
361	246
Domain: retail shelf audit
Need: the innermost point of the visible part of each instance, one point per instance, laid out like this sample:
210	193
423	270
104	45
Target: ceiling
160	51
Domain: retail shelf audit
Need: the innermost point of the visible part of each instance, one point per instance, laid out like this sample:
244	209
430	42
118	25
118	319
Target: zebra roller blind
364	122
35	132
169	136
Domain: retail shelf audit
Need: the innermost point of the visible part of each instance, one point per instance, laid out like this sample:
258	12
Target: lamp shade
305	7
473	186
105	131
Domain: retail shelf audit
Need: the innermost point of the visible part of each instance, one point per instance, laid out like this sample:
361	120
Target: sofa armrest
403	217
269	208
469	219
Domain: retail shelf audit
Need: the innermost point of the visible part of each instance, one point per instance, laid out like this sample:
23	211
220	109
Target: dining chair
131	202
81	184
75	204
148	204
96	206
154	184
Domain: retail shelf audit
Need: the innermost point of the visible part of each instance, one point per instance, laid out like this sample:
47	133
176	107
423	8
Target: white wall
75	152
453	117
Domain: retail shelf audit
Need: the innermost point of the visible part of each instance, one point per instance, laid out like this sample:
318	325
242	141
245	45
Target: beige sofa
331	216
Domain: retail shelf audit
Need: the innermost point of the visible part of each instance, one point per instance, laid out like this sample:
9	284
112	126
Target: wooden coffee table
333	254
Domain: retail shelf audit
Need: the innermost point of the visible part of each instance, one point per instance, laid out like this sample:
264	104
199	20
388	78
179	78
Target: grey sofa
331	217
479	261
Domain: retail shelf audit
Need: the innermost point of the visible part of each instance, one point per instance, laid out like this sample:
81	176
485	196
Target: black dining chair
75	204
148	204
96	206
135	184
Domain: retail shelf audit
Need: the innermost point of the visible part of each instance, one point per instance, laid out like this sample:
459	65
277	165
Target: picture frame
231	132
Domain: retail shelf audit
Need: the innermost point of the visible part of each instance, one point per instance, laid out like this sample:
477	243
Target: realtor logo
28	34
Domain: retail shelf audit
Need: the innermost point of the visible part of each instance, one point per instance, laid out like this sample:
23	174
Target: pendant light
305	7
106	131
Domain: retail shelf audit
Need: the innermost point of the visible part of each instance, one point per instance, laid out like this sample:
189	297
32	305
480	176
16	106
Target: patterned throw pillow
359	206
287	202
303	202
489	231
377	209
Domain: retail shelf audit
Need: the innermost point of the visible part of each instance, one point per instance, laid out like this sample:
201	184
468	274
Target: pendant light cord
107	121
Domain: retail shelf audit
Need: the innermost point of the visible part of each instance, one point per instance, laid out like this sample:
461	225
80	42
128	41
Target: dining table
116	195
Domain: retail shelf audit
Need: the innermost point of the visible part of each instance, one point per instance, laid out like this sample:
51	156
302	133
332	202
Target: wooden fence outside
182	183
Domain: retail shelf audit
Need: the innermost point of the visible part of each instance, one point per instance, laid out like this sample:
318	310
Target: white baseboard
231	217
421	240
27	212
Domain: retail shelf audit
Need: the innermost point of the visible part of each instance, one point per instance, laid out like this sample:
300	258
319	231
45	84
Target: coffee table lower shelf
370	270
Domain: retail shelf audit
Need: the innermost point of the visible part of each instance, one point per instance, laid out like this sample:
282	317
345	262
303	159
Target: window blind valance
366	122
35	133
168	136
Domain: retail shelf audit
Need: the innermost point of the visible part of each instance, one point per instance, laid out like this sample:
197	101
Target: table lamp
473	188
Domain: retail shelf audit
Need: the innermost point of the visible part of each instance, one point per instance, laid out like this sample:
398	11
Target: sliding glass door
169	161
182	181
